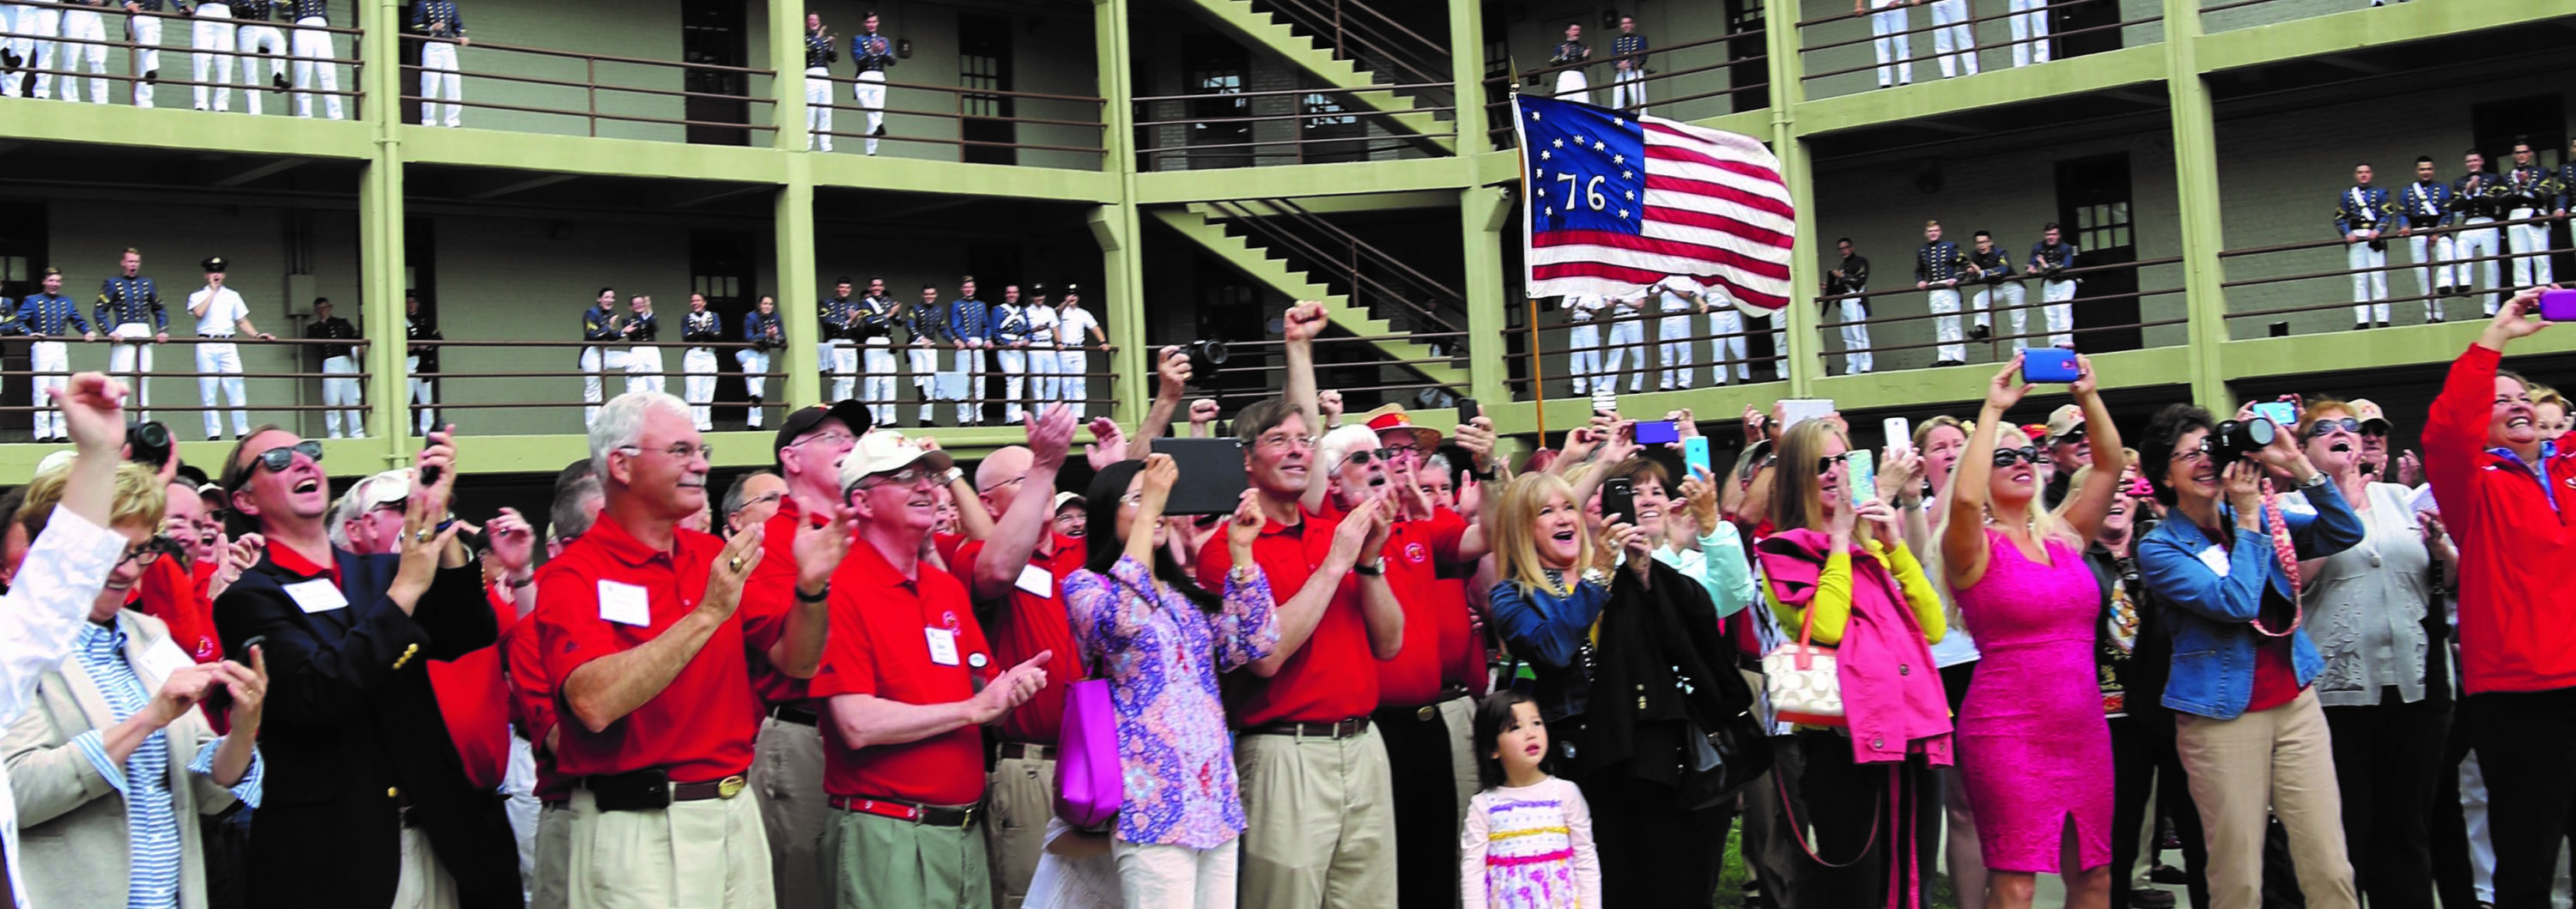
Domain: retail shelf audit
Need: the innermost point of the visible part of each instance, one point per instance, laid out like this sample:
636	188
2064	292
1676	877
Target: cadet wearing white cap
219	310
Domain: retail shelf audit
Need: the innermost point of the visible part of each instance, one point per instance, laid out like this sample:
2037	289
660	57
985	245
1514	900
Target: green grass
1730	882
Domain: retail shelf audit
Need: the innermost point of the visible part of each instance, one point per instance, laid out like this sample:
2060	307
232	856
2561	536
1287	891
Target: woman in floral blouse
1161	640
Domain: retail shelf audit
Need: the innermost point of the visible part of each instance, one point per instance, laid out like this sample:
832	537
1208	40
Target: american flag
1619	202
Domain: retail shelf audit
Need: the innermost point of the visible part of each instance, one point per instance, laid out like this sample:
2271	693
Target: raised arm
2093	502
1963	535
1172	374
1015	537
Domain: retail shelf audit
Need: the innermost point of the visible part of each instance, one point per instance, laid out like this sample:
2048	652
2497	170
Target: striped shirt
151	817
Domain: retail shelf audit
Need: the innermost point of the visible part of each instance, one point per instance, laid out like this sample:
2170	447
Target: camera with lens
2235	439
147	443
1206	354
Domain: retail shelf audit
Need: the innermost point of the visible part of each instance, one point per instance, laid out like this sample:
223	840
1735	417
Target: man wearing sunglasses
366	796
638	626
2068	451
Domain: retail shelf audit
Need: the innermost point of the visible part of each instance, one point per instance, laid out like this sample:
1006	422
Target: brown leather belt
712	789
1028	750
1337	729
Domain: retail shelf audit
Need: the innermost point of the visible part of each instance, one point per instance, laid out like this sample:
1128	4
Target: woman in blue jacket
2249	730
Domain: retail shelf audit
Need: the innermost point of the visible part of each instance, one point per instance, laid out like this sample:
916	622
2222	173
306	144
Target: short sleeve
849	659
770	592
570	631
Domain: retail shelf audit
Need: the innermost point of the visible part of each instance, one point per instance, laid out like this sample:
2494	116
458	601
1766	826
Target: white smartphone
1900	433
1605	400
1793	410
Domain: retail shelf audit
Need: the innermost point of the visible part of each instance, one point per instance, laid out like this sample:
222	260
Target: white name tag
1037	581
164	658
625	604
316	595
2216	558
943	645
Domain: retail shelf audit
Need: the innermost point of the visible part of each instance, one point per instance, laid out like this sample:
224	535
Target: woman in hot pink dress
2041	775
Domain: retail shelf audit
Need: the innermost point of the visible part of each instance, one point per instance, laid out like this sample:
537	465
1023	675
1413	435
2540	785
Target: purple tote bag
1088	784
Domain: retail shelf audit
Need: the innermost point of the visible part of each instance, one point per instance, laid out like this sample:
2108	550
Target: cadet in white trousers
875	337
1571	84
819	56
1894	48
2475	196
145	30
970	328
644	359
1677	298
258	41
1938	266
130	313
2424	206
1954	42
445	26
2029	30
838	320
211	38
2528	196
1583	341
1628	68
1998	288
85	37
421	362
1011	351
598	328
1078	333
44	317
340	386
1045	386
220	311
2360	213
761	329
2048	259
1627	342
700	327
313	58
1852	277
1726	323
927	327
30	30
873	54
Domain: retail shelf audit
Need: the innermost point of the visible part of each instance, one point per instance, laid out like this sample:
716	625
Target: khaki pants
1322	821
1020	796
424	884
554	852
787	776
2282	760
1460	714
884	863
703	853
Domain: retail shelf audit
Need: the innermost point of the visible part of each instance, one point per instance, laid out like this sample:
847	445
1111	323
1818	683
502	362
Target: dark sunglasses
1363	456
2347	424
1825	465
277	459
2004	457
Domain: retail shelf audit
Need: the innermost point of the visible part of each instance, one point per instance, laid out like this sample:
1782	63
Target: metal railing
2250	13
1256	370
1377	281
2033	311
1260	150
1542	81
180	354
627	92
1906	38
1359	33
70	54
2480	279
1637	358
1080	113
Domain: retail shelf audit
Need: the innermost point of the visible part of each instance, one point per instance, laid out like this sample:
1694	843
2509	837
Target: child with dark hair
1528	836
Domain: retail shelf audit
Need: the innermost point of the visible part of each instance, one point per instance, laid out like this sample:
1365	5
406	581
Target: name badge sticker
2216	558
625	604
943	645
1037	581
316	595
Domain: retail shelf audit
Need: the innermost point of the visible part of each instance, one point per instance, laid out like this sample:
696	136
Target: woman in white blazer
111	762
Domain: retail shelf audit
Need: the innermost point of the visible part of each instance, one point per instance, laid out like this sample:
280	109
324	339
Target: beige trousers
2278	761
1019	796
706	853
424	884
1175	877
787	776
554	854
1322	821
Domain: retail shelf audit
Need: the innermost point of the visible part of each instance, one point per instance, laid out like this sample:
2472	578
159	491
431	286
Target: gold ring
421	535
734	563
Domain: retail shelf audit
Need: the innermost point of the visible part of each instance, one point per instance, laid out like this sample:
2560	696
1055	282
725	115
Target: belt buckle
1426	713
730	786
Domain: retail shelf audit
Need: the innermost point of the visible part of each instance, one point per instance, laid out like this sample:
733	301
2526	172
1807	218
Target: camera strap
2287	553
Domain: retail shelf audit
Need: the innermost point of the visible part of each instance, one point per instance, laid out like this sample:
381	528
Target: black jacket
1653	641
352	732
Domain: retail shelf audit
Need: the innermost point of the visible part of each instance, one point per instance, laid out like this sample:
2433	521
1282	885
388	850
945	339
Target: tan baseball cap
2064	420
2369	412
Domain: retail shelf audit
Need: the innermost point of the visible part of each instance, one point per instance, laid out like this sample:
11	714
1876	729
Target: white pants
2029	30
1856	357
2010	295
133	361
36	28
818	108
212	38
147	54
2530	245
754	363
1015	373
313	60
1627	339
644	369
1944	303
518	787
2370	286
1046	385
699	363
842	360
222	358
1583	355
51	361
438	74
1891	46
257	43
1072	386
1728	347
2433	250
879	387
85	25
924	359
595	361
870	92
1672	331
1572	86
422	882
423	395
1953	39
1176	877
2058	306
2479	243
1628	87
342	393
972	364
2473	810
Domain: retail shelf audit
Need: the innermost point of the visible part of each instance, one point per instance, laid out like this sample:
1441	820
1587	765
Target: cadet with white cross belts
129	310
700	327
219	311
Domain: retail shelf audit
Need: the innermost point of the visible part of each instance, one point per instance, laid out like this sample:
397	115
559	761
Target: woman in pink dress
2041	775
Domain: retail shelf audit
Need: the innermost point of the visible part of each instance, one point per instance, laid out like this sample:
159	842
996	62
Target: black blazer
352	732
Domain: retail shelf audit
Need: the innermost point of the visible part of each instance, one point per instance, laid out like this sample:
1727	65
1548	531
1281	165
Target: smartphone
1468	411
1793	410
2558	305
1864	477
1900	433
1619	500
1695	455
1605	400
1657	432
2049	364
2281	413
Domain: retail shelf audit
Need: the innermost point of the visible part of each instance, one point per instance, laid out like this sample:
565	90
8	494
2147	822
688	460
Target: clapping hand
1109	447
1014	687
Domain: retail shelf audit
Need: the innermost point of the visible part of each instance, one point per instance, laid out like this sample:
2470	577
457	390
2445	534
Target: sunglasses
2004	457
2322	427
277	459
1363	456
1825	465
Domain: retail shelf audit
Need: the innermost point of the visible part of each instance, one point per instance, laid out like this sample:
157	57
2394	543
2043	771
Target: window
1331	132
1220	121
2102	226
984	62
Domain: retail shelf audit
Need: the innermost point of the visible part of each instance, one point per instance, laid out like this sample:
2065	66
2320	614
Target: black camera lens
2236	439
148	443
1206	354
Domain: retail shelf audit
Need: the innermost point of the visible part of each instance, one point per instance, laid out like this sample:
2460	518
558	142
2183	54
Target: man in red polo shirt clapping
909	681
637	623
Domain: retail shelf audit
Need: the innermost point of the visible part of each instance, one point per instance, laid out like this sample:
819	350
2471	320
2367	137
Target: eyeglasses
1407	448
2322	427
1003	483
836	438
1825	465
143	554
1364	455
1133	498
1284	442
2004	457
905	477
761	499
277	459
682	451
2195	452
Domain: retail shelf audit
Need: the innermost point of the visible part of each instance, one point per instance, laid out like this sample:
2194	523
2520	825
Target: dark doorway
2093	213
725	266
1214	67
984	62
711	34
2066	18
22	270
420	279
1751	73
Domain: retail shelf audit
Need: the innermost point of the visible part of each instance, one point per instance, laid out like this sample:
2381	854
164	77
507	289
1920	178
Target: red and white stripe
1716	211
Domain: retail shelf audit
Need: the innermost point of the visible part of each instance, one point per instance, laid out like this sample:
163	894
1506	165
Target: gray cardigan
72	832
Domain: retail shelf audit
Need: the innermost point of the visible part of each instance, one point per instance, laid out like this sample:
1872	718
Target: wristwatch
954	474
2314	480
1371	569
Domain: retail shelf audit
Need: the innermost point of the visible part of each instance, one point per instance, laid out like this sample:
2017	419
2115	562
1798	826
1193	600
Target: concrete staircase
1271	31
1270	269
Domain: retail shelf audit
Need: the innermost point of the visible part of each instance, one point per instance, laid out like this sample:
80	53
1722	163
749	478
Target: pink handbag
1089	786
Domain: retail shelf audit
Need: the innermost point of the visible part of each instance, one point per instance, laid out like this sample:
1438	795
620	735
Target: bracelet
522	583
817	598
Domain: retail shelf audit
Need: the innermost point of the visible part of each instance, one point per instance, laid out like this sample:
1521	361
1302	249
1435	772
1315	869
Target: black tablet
1212	480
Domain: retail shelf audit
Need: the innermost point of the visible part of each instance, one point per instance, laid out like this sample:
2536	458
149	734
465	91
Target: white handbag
1802	679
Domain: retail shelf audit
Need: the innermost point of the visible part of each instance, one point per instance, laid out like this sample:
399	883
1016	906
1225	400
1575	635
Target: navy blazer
352	735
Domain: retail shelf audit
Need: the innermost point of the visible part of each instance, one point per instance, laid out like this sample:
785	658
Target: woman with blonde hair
1550	591
2041	779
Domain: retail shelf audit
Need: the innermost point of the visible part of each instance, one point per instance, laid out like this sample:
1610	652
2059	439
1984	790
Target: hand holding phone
1619	500
1657	432
2054	365
2281	413
1863	474
1695	455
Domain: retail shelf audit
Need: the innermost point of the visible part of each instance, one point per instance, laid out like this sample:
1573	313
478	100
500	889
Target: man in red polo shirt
909	680
638	625
787	769
1316	791
1016	578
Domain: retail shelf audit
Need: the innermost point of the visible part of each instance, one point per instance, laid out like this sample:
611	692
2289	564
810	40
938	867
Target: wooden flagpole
1538	368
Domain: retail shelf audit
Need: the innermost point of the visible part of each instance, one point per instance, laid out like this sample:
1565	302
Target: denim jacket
2210	612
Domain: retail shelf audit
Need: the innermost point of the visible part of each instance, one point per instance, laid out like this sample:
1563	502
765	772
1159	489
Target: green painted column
787	58
1483	214
797	292
1801	365
2195	141
1115	227
1467	71
381	265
